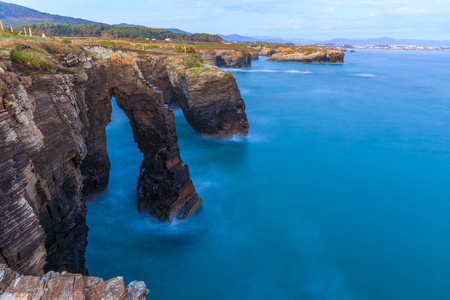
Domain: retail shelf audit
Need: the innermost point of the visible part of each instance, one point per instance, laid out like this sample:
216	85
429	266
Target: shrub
66	41
191	61
181	49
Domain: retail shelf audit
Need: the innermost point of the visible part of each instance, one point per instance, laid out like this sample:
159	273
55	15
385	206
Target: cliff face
228	58
210	98
41	180
54	285
336	57
211	102
53	146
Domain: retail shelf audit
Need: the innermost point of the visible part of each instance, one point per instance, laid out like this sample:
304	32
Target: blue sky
311	19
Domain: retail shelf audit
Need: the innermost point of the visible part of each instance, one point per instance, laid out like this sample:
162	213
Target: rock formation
336	57
266	51
53	145
228	58
209	97
309	55
59	286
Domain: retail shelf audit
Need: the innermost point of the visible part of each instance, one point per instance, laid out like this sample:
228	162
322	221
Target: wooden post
1	23
25	31
12	30
184	48
30	31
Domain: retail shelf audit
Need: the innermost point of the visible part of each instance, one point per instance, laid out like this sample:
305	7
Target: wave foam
368	75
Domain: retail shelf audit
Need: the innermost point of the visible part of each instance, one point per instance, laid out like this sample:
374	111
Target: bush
66	41
191	61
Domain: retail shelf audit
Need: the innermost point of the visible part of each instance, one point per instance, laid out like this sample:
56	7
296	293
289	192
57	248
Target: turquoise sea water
340	191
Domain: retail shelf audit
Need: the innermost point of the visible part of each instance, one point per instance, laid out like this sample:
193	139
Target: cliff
309	55
210	98
229	58
54	108
266	51
58	286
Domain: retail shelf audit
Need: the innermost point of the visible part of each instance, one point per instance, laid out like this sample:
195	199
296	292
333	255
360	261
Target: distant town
383	47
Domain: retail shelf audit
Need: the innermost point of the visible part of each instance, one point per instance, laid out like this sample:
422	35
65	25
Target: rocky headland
309	55
229	58
55	105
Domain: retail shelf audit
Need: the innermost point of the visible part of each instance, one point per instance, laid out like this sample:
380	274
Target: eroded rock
63	285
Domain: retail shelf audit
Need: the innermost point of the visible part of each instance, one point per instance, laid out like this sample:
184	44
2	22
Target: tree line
115	31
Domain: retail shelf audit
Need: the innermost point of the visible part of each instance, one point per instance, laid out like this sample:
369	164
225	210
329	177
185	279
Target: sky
309	19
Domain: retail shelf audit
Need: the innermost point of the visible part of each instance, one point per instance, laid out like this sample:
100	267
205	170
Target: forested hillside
12	14
115	31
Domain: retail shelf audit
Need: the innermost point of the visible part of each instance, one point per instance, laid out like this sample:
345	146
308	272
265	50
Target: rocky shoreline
63	285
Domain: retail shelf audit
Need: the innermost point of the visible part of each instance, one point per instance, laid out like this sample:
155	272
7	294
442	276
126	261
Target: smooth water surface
340	191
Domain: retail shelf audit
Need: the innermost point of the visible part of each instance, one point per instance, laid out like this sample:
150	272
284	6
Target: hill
12	14
176	30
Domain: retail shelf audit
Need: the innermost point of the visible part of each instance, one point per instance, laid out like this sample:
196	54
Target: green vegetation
200	70
115	31
304	51
14	36
66	41
183	49
191	61
151	47
308	51
16	15
25	57
107	43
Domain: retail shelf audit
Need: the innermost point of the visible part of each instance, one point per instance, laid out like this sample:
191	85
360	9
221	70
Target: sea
341	190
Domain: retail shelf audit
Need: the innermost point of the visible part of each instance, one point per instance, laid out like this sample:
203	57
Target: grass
200	70
191	61
107	43
25	57
151	47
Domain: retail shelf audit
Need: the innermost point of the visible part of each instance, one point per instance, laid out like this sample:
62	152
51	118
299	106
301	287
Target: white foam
267	71
368	75
298	71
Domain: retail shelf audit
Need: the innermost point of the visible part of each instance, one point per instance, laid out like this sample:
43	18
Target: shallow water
340	191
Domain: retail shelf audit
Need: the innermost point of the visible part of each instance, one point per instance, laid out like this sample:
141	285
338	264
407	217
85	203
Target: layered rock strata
58	286
210	98
211	101
228	58
53	145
